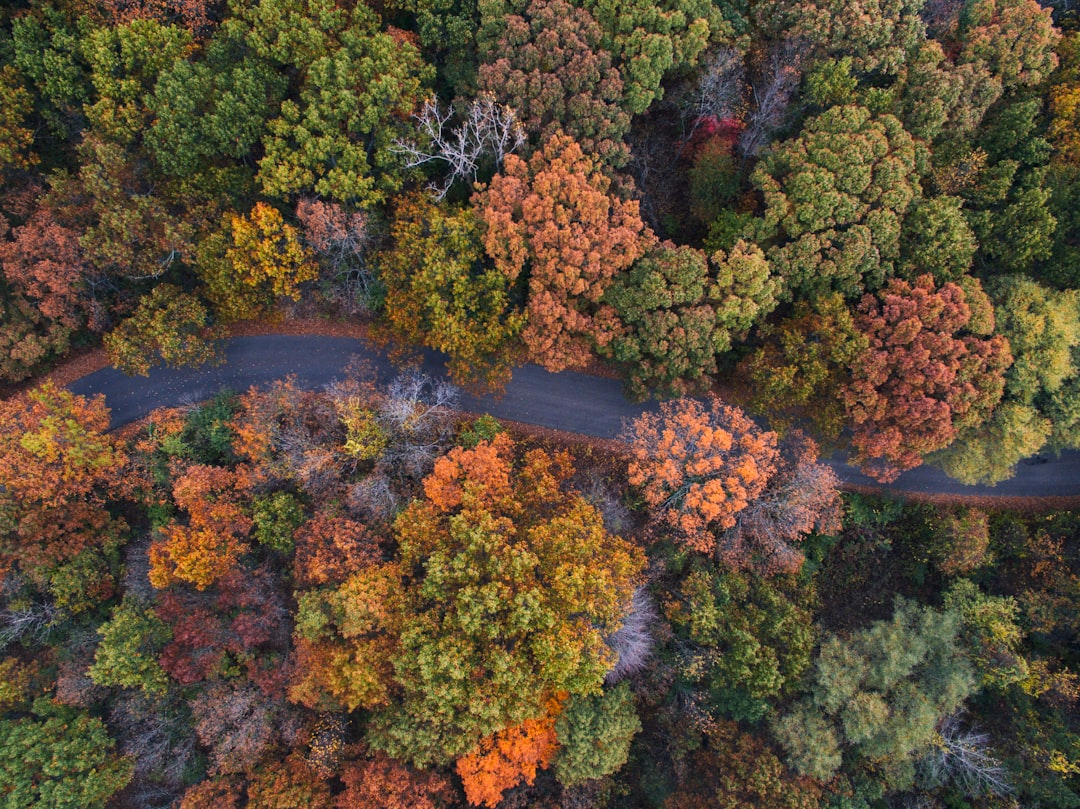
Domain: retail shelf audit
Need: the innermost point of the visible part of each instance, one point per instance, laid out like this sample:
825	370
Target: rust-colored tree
58	470
380	782
215	536
329	549
923	377
509	757
555	222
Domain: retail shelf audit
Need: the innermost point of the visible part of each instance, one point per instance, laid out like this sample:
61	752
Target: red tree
922	379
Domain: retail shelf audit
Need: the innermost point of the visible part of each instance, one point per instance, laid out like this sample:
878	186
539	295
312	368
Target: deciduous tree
837	195
170	326
58	470
549	67
215	535
923	379
554	222
441	291
380	782
512	579
253	261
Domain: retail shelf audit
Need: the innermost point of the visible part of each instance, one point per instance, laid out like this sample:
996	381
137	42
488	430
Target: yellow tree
252	261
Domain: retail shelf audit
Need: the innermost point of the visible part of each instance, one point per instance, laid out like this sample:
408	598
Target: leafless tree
487	129
721	90
633	641
962	756
374	496
155	734
606	500
33	622
772	96
418	413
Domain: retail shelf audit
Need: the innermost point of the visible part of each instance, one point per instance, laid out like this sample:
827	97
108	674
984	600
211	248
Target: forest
803	225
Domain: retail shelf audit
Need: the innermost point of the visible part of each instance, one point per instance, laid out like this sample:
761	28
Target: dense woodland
857	218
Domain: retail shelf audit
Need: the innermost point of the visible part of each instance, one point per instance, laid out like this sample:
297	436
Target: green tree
442	293
936	239
276	517
880	694
358	87
837	195
215	107
169	325
125	63
594	735
803	364
127	655
59	758
680	313
749	638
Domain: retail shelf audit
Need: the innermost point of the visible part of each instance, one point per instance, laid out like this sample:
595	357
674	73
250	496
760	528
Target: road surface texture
568	401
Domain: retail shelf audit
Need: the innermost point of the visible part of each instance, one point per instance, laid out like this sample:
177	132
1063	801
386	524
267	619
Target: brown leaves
922	378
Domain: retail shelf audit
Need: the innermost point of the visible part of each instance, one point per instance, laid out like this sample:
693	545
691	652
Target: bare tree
721	90
33	622
962	756
487	129
633	641
418	413
772	97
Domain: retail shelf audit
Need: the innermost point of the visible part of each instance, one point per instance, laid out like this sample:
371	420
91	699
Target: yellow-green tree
252	261
511	580
441	291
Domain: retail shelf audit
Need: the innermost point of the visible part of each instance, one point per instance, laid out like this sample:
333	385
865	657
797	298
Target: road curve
566	401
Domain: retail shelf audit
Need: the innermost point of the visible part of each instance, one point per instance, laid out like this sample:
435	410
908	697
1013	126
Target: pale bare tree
772	97
962	756
487	129
633	641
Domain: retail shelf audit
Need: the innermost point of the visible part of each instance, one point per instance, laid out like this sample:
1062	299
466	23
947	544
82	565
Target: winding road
567	401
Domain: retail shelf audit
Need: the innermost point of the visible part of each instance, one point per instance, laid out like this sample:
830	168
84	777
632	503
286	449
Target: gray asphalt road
567	401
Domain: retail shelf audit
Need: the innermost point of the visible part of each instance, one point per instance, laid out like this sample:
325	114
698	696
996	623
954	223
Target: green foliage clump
276	517
880	694
59	758
750	638
130	642
594	734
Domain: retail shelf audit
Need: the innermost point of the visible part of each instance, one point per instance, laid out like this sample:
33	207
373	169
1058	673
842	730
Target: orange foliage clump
554	220
700	466
58	468
509	757
216	534
380	782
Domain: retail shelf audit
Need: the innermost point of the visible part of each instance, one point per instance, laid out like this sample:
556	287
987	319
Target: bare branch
488	129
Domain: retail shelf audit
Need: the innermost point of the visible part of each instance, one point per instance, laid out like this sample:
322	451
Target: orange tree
554	222
58	469
725	488
509	579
